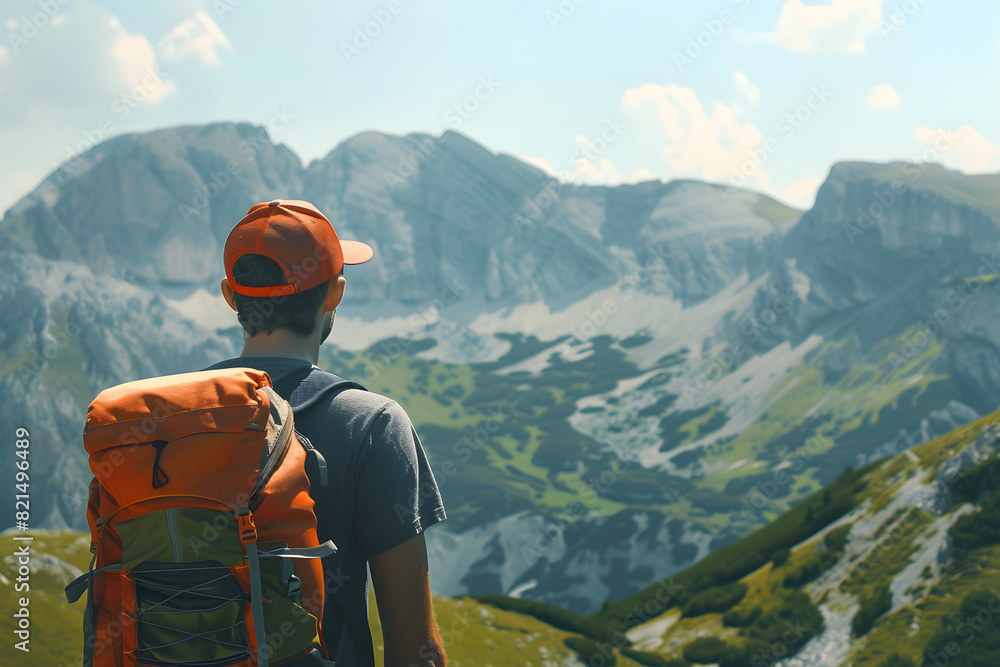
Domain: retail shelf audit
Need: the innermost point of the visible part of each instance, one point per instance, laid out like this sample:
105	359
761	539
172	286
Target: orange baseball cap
299	238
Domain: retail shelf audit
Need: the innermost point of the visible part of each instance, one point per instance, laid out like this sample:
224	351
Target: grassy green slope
882	532
778	213
56	634
980	190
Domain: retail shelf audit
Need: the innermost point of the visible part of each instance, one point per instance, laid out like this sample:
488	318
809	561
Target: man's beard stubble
327	326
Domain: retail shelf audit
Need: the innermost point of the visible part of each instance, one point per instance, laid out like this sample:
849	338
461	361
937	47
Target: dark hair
296	312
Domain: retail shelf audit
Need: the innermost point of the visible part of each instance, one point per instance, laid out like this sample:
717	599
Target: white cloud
709	146
593	169
14	185
883	97
642	174
601	172
610	171
964	149
108	64
198	36
133	55
541	163
3	55
841	26
743	83
802	193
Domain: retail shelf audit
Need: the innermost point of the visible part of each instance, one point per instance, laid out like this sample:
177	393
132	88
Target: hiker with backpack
236	510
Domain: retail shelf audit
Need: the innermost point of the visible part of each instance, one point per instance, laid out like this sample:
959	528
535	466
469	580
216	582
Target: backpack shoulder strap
306	388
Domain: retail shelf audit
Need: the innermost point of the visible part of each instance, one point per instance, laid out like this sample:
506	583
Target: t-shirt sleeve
397	495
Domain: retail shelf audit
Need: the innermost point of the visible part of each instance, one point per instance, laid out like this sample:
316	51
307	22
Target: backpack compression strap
248	536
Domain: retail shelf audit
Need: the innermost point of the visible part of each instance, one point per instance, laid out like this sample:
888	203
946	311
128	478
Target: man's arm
403	593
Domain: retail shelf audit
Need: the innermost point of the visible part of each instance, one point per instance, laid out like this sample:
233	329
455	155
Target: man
284	278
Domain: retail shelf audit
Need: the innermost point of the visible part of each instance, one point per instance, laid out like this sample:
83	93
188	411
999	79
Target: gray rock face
158	205
575	564
879	241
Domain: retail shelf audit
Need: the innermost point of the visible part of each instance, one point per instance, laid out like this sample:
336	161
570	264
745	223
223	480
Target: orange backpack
202	526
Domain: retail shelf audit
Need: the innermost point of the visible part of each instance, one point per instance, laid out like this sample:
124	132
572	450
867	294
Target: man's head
284	269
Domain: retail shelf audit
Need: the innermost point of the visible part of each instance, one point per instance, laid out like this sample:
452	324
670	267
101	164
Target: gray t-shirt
380	492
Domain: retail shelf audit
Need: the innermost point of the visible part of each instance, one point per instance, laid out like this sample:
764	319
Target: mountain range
668	366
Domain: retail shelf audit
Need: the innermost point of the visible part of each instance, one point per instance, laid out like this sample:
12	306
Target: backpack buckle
248	531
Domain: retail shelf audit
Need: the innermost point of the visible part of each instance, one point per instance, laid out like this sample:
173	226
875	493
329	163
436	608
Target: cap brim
356	252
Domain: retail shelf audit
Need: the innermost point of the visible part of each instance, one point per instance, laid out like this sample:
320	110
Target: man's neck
280	344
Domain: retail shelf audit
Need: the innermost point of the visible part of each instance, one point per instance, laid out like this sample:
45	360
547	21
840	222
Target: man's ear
334	293
227	294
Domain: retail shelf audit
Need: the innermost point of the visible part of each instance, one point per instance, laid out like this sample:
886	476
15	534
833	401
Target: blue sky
763	94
